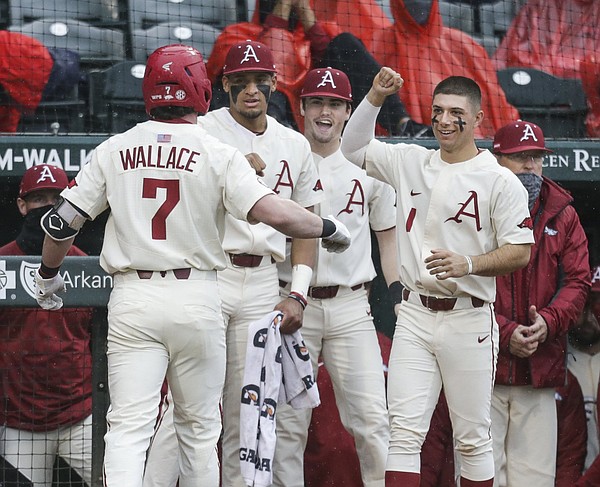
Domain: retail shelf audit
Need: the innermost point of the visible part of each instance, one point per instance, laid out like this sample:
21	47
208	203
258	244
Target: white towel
262	389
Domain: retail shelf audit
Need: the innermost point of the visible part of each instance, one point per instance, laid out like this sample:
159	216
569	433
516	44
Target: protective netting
75	66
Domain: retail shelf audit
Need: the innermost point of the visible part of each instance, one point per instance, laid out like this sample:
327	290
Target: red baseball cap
43	176
329	82
519	136
249	56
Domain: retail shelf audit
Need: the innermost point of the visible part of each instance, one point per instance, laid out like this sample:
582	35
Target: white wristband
301	276
469	265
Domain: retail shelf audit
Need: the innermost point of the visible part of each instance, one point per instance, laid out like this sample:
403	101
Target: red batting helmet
328	82
519	136
43	176
249	56
176	76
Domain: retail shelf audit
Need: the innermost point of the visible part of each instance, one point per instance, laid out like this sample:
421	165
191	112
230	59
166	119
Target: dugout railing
87	285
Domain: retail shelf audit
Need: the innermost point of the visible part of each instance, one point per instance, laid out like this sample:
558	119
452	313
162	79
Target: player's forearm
504	260
54	251
359	131
287	217
388	254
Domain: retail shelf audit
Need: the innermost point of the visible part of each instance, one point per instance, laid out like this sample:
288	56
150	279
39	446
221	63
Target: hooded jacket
426	54
25	66
556	281
560	37
293	51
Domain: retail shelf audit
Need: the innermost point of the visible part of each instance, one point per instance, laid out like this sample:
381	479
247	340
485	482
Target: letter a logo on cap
327	79
45	175
249	54
528	133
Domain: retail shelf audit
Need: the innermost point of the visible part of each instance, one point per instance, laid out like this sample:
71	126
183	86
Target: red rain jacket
426	54
25	66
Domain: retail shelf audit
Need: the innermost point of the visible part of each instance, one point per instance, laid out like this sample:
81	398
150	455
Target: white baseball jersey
290	173
360	202
169	186
471	208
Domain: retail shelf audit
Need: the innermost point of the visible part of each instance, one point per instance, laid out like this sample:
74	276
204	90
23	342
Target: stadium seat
495	18
458	16
200	36
96	46
116	101
144	14
59	115
91	11
557	105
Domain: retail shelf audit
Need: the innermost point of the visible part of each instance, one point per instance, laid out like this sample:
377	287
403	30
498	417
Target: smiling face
324	119
249	94
454	120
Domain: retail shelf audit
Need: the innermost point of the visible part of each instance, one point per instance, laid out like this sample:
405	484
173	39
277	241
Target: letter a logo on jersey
249	54
471	201
285	177
528	133
327	79
357	197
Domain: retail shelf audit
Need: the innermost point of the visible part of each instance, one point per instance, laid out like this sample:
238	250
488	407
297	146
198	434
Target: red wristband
298	297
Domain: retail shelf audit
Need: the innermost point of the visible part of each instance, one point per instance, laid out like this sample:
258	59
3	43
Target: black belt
323	292
441	304
182	274
247	260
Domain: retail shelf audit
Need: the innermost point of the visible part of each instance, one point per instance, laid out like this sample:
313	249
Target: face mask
533	185
419	10
32	236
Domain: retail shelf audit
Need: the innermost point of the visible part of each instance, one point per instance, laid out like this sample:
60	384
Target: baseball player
337	321
249	285
45	359
168	185
462	219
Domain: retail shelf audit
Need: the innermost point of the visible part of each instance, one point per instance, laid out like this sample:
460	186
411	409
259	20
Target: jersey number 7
159	220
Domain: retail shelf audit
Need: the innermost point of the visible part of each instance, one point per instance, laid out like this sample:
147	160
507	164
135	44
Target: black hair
461	86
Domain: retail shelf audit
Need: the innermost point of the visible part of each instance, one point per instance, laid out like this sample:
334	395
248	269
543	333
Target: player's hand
340	240
293	312
46	289
538	330
520	345
444	264
387	82
256	163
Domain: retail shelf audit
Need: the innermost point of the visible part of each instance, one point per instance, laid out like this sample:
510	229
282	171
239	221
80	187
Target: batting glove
46	289
338	241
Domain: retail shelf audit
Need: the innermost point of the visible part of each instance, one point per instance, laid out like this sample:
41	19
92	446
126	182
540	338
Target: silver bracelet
469	265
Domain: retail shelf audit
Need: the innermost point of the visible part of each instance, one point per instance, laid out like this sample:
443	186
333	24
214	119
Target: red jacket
556	281
560	37
426	54
46	364
25	66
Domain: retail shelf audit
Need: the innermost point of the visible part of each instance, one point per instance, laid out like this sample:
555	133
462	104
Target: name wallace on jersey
160	157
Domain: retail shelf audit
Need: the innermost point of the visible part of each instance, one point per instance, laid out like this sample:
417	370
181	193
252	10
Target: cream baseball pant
162	461
156	327
33	452
341	330
524	428
455	348
248	293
